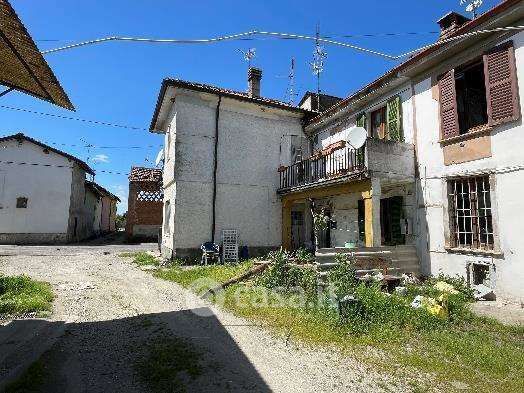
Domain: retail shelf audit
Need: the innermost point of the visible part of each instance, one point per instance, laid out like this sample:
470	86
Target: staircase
401	259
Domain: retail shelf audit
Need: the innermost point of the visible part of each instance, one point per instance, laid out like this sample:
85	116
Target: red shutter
449	125
501	84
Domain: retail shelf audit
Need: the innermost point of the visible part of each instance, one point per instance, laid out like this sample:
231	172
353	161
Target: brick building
144	212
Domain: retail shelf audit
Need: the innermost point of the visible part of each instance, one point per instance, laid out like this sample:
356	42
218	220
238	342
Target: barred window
471	222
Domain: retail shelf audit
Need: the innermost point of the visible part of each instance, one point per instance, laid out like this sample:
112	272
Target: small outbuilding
144	213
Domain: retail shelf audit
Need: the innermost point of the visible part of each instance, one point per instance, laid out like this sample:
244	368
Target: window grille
150	196
471	221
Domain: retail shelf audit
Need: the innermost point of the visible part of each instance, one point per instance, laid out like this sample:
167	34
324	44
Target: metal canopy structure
22	66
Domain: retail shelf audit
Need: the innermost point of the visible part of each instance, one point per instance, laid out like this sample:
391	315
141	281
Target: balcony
339	163
324	166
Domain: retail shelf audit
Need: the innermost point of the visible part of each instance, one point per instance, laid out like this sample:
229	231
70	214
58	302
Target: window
483	92
471	97
21	203
378	123
386	122
471	222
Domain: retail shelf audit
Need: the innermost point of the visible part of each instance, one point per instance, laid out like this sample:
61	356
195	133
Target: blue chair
210	252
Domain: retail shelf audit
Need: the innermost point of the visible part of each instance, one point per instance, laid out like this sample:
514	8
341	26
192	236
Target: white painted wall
336	130
249	154
506	143
48	190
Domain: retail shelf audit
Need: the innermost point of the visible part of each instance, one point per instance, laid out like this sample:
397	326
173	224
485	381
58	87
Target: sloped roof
98	189
22	137
143	174
22	66
239	95
393	73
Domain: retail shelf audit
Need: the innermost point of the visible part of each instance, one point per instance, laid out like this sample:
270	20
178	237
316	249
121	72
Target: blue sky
119	82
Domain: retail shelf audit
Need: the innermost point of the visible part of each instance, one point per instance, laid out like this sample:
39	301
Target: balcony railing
322	167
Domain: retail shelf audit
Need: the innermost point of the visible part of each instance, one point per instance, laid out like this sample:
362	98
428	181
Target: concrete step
402	258
22	342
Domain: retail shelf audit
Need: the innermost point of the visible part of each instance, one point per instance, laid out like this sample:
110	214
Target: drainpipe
215	166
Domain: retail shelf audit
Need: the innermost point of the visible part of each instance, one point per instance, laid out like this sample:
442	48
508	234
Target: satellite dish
159	157
356	137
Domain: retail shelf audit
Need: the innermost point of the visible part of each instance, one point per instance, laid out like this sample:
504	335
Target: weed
141	258
21	294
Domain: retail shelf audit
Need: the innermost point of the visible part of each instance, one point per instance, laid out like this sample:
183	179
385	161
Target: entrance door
391	213
297	230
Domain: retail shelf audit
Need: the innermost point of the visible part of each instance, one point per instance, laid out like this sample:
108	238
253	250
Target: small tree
320	223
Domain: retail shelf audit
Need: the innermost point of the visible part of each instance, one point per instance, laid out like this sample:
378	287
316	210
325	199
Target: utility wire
104	147
103	123
257	33
58	166
363	35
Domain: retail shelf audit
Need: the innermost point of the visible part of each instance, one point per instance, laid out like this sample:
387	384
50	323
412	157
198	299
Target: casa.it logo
201	293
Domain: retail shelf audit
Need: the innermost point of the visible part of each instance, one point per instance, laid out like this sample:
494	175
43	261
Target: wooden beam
322	192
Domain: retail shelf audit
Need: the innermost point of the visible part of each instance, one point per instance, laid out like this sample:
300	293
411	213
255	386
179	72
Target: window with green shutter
361	120
394	120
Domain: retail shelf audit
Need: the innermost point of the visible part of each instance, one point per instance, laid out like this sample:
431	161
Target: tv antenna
291	93
249	55
317	65
472	6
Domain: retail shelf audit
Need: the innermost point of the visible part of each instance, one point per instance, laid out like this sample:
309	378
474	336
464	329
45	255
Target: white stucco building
461	112
221	152
436	186
44	197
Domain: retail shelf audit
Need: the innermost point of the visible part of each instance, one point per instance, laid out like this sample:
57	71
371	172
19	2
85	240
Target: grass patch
219	273
31	380
21	294
141	258
168	363
459	352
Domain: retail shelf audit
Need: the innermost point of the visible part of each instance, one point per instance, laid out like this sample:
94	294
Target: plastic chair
210	252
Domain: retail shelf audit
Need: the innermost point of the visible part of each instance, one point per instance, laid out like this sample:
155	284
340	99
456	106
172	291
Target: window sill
472	133
472	251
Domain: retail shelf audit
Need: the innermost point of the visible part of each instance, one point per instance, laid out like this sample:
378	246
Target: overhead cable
257	33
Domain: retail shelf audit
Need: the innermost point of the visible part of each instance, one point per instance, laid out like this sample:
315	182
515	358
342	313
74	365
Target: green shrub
303	256
342	278
375	310
281	274
21	294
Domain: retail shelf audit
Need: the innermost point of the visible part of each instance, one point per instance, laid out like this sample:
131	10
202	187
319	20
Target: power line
98	122
256	34
104	147
58	166
334	35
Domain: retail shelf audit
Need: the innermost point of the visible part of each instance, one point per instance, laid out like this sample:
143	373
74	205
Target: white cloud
100	158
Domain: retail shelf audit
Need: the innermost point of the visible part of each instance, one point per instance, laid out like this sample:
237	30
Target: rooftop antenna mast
319	55
472	6
291	87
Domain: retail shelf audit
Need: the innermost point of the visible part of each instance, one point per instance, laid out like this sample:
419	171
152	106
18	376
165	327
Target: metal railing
320	168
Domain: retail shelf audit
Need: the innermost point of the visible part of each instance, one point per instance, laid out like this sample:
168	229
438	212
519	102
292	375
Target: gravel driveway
112	309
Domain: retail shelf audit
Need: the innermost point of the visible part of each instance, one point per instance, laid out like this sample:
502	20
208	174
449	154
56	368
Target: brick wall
141	212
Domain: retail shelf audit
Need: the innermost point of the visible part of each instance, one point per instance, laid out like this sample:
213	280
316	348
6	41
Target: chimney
450	22
254	75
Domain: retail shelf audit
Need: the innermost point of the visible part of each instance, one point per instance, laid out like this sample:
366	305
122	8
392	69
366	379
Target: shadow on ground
196	354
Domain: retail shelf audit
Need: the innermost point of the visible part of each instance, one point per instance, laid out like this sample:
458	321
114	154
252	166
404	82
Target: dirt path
112	311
